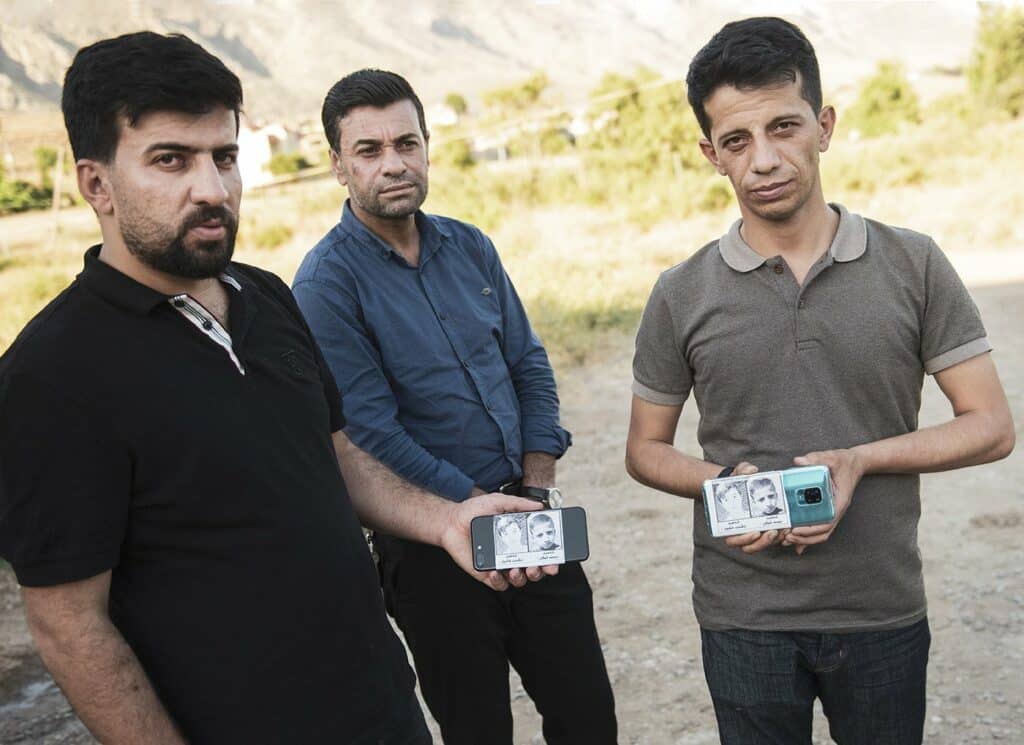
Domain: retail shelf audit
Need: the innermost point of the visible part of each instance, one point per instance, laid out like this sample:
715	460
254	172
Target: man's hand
456	539
846	469
751	543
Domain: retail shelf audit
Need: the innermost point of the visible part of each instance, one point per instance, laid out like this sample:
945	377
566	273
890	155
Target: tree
886	101
46	160
519	97
644	122
995	73
457	103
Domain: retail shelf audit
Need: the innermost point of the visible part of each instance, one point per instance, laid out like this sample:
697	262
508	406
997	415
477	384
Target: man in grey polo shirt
837	319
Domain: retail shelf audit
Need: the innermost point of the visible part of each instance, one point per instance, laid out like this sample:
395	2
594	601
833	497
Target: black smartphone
527	539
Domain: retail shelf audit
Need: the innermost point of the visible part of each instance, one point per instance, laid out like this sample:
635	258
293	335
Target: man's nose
765	156
208	183
393	164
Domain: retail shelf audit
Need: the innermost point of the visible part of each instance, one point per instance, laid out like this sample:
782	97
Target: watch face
555	499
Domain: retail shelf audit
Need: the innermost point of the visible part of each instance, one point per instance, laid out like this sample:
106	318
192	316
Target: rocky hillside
288	52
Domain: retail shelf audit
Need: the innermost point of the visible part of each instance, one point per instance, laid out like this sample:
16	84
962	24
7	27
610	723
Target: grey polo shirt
780	370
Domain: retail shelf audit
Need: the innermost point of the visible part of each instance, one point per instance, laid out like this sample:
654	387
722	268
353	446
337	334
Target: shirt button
778	269
442	316
801	304
207	325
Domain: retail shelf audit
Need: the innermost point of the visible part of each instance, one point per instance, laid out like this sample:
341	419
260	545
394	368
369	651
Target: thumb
802	460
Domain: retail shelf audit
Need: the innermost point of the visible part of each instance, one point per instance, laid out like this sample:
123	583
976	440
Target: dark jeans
463	635
871	685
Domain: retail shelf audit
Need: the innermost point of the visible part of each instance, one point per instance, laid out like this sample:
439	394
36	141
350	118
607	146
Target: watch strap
537	493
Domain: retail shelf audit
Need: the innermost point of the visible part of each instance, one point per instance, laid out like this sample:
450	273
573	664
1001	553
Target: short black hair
134	74
753	53
369	87
763	481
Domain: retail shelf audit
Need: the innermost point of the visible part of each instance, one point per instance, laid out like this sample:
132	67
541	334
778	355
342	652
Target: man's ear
94	185
336	169
826	126
709	152
426	146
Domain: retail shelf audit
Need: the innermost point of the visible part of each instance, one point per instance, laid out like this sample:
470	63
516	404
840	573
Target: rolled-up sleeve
529	367
371	411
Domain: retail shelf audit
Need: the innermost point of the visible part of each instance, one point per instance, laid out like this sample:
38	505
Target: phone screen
523	539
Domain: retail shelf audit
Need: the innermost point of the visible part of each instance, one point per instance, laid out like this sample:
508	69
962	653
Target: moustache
206	214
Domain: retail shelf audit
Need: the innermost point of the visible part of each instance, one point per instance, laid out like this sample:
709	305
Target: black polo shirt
131	441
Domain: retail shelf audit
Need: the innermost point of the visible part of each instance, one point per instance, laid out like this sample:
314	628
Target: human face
382	159
731	500
767	141
543	534
510	533
764	499
175	191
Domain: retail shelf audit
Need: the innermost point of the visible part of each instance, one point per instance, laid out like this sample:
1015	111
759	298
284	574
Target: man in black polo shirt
170	494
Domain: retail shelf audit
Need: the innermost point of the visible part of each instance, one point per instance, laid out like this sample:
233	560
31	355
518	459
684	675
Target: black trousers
463	635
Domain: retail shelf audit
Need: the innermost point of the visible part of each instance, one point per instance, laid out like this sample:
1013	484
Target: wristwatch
552	498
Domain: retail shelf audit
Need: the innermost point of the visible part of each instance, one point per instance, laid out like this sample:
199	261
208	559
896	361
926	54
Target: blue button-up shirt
443	379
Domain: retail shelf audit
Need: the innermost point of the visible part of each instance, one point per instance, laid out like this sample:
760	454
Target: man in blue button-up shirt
446	383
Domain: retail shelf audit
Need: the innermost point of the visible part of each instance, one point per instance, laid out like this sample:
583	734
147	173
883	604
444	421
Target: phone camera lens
813	496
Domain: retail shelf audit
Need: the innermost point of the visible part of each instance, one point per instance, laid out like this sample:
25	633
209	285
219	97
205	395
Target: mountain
288	52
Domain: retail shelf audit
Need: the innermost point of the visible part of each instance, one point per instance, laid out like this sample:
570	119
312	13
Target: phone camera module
813	495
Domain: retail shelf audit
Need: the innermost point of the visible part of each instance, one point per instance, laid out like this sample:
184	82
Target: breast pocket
480	327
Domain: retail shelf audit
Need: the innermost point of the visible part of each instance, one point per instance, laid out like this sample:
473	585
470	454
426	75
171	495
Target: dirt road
969	537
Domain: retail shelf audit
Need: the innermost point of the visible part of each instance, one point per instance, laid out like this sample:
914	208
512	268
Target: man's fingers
754	542
550	569
534	573
802	535
742	540
495	581
768	538
497	503
744	469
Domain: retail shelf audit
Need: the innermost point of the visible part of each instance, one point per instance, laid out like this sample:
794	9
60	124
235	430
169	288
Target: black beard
204	260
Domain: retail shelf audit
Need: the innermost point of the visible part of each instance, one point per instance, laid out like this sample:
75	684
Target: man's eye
408	145
169	159
227	160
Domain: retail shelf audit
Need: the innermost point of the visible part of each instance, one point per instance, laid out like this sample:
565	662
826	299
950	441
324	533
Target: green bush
19	196
46	161
285	164
457	103
995	73
887	102
455	152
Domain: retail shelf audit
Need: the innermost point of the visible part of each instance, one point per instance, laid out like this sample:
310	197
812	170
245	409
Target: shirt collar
431	234
849	244
120	289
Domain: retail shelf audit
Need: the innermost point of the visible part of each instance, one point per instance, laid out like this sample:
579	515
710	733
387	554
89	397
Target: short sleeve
952	330
661	375
334	402
65	486
335	406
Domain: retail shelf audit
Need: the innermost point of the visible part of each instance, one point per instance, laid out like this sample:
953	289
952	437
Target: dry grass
582	270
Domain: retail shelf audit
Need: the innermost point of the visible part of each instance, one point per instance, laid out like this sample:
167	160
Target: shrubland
586	213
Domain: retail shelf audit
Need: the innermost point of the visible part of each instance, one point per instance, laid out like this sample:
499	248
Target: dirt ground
969	535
